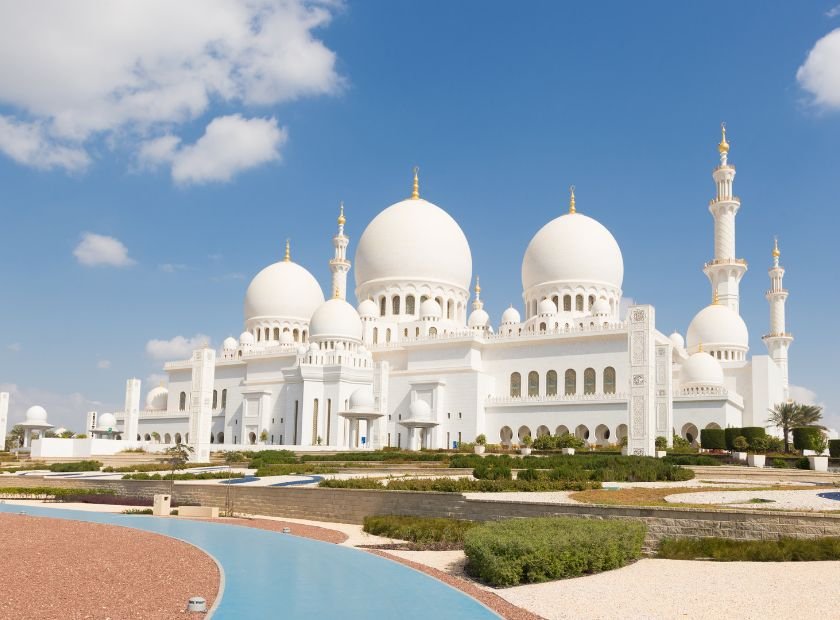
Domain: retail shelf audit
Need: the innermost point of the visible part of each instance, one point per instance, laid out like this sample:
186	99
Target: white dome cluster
720	331
701	369
335	319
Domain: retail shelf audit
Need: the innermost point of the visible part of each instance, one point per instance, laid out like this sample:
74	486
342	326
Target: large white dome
106	422
415	241
575	249
362	399
335	319
701	369
717	327
36	415
156	398
283	290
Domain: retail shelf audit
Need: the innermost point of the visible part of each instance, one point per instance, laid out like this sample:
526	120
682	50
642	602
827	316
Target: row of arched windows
580	302
266	334
433	332
448	307
569	382
182	400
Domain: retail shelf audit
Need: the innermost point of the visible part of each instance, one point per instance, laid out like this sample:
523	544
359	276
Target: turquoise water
270	575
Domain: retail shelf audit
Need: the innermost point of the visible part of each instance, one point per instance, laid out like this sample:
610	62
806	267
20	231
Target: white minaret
201	402
725	270
778	340
339	265
4	418
132	409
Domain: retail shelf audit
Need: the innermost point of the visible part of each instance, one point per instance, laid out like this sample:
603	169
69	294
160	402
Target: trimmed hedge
378	455
804	437
713	439
421	530
59	493
834	448
77	466
515	551
692	459
461	485
729	435
728	550
751	433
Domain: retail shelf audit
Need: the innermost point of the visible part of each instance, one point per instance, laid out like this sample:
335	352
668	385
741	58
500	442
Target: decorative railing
704	390
726	261
558	398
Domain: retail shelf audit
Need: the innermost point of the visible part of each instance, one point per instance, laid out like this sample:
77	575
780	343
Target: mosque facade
420	364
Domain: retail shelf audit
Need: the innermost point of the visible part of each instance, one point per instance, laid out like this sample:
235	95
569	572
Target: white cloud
833	12
820	73
809	397
127	70
14	347
103	364
230	145
155	380
95	250
176	348
172	267
66	410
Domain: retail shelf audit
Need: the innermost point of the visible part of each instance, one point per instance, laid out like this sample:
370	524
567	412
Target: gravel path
654	589
56	569
781	500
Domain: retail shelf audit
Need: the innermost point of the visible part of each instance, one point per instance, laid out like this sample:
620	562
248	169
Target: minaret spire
778	340
572	199
288	257
477	304
339	265
725	270
415	192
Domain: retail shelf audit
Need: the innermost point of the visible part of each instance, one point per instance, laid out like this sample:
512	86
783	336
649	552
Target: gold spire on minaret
572	199
700	347
336	293
723	147
415	192
715	298
341	219
776	252
477	287
288	257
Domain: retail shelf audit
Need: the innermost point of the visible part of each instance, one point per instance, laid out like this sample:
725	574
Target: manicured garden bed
425	533
728	550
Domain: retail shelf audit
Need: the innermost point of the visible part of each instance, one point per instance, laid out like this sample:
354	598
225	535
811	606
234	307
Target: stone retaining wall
351	506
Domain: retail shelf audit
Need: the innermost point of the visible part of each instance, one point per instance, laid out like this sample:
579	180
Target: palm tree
790	415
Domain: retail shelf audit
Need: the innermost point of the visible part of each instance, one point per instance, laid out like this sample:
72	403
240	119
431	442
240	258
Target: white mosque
417	365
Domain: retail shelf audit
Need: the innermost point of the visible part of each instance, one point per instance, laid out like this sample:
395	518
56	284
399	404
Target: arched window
450	308
589	381
224	401
267	331
591	301
220	437
533	383
382	306
388	335
375	335
433	332
405	332
215	398
182	402
303	335
609	380
416	332
551	383
515	385
579	303
567	303
277	333
315	422
542	327
296	334
395	304
259	335
556	301
571	382
177	437
409	304
167	439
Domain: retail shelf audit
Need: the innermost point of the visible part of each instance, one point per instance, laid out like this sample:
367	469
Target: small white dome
575	249
419	409
156	398
335	319
283	290
301	350
340	346
601	307
717	327
677	340
286	337
362	399
547	307
415	241
313	346
36	414
368	309
479	319
511	316
246	338
229	344
430	309
106	421
701	369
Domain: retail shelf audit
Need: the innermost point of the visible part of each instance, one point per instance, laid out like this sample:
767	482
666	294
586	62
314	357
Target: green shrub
137	511
353	483
834	448
740	443
713	439
803	463
490	469
296	468
758	445
730	434
570	441
398	456
515	551
78	466
528	474
774	444
262	458
691	459
461	485
661	442
679	443
807	438
481	440
421	530
751	433
59	493
780	464
545	442
729	550
145	467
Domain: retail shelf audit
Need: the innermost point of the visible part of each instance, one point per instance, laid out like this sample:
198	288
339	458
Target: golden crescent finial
288	257
723	147
700	347
572	199
341	219
715	298
415	193
477	286
776	252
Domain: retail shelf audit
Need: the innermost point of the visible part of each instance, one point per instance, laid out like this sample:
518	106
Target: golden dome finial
776	252
341	219
288	257
336	293
572	199
700	347
715	298
723	147
477	287
415	192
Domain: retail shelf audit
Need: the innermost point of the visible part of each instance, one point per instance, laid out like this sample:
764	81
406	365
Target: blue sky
152	162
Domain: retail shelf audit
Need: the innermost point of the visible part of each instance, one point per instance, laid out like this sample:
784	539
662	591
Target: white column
201	402
132	409
641	426
4	418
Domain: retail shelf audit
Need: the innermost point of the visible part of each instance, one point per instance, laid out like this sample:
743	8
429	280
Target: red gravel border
59	569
